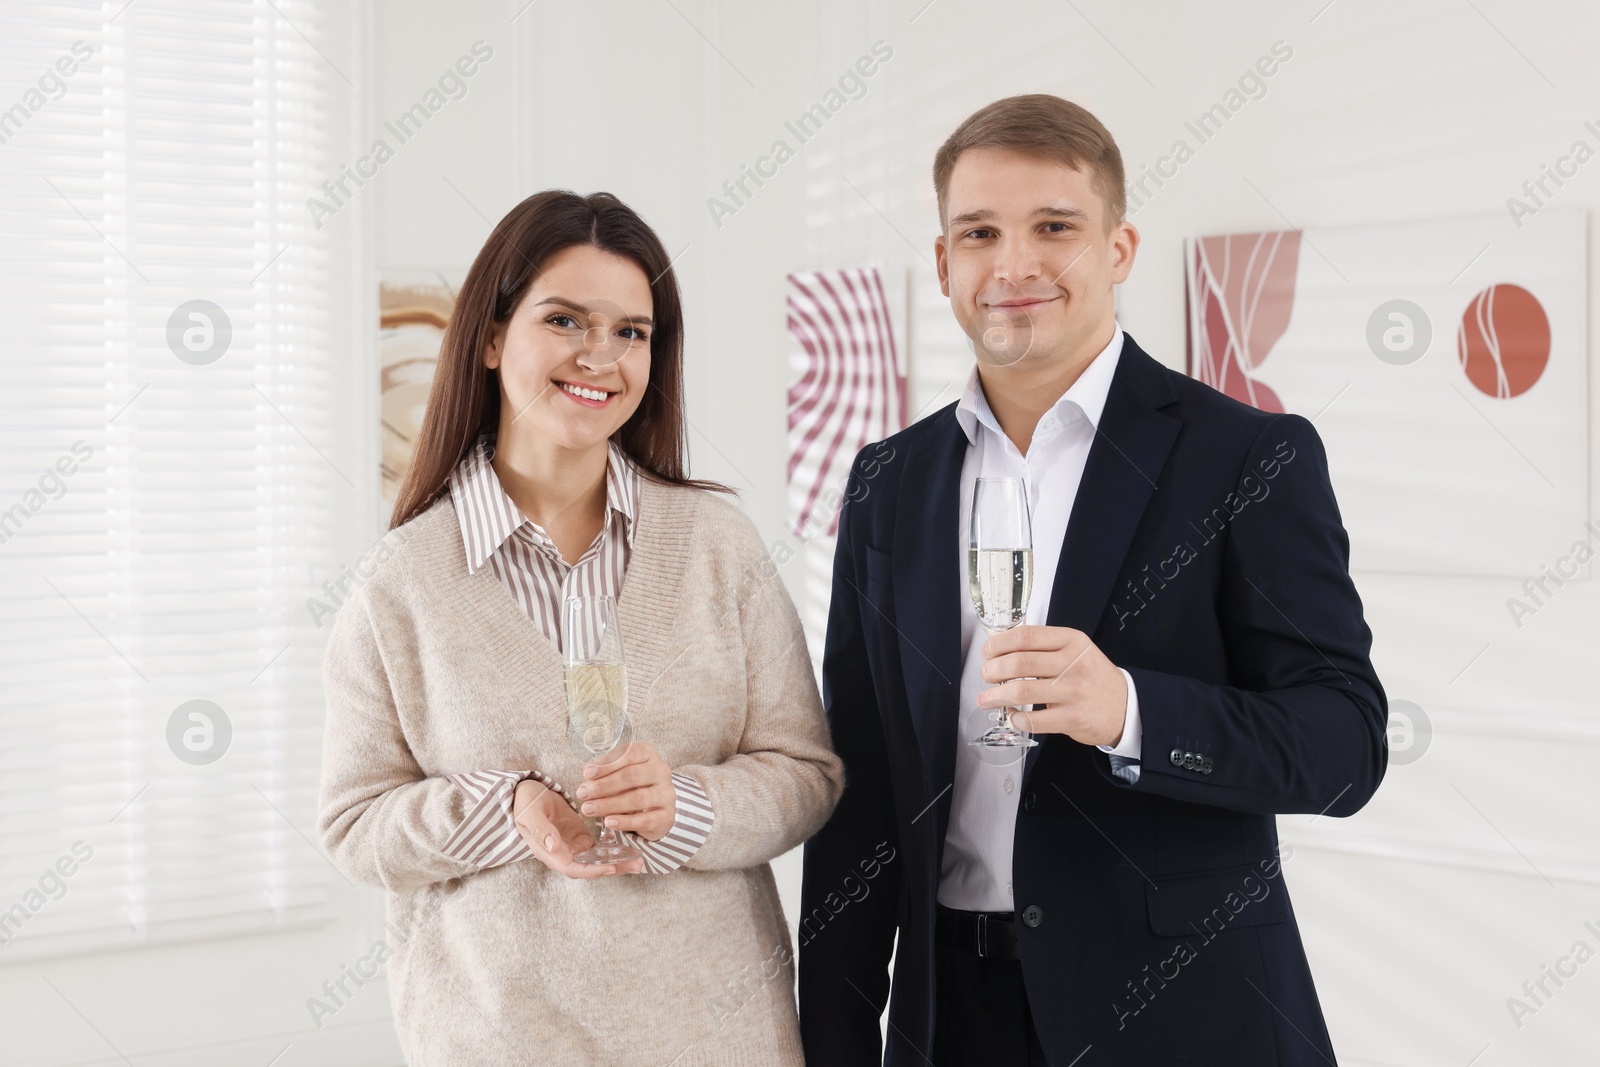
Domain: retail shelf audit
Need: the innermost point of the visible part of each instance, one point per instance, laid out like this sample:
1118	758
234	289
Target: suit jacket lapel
1123	469
927	590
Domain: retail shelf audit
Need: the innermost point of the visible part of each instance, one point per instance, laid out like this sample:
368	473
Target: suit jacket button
1033	916
1029	799
1176	757
1205	765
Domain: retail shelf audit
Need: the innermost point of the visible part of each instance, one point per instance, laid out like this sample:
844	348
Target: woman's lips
564	389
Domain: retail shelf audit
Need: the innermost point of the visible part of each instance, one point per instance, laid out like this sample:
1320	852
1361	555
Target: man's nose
1017	261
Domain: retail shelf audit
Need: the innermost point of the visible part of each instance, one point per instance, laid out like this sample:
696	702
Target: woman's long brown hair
464	400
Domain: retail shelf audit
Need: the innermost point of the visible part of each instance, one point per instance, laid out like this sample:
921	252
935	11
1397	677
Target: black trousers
982	1015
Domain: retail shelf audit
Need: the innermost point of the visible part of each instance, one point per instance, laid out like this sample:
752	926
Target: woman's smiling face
574	359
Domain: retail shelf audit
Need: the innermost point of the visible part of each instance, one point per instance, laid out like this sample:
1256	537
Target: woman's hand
632	793
555	833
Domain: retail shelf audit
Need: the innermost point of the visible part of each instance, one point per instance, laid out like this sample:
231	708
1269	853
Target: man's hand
633	792
554	832
1084	695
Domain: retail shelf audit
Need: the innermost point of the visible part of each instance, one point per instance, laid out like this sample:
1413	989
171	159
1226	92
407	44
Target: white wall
1475	865
235	1000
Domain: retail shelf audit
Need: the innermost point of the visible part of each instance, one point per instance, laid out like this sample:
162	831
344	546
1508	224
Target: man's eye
979	234
1058	227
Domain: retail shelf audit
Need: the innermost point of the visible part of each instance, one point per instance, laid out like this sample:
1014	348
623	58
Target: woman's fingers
631	777
571	836
534	827
650	825
643	798
573	869
638	752
555	834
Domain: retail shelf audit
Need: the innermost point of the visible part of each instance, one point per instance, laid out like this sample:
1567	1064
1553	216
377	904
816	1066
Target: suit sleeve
849	900
1301	729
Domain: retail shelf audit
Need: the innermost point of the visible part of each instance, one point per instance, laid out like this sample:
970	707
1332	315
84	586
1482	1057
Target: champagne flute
1000	577
597	699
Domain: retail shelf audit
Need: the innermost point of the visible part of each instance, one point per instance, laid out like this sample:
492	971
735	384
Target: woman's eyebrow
637	320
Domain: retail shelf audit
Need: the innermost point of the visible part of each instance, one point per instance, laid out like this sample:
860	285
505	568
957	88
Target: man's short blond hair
1045	126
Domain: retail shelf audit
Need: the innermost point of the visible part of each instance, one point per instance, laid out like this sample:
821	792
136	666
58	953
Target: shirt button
1008	889
1010	785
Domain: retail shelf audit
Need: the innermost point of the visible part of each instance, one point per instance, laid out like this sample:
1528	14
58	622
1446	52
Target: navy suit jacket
1205	554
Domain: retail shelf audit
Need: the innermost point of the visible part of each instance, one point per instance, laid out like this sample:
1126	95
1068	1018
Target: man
1194	656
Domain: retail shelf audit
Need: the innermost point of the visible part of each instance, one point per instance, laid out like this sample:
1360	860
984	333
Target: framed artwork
1444	365
412	315
847	354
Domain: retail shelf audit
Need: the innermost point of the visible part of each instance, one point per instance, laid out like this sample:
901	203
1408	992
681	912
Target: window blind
169	469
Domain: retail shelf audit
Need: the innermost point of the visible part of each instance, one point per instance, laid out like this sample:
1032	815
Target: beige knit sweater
432	671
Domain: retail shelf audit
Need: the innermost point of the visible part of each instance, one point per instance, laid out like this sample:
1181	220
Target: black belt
989	934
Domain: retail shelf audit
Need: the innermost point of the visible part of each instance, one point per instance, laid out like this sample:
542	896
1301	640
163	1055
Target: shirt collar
488	515
1086	396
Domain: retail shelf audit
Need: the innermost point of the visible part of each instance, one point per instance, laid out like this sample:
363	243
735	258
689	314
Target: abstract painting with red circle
1504	341
1443	364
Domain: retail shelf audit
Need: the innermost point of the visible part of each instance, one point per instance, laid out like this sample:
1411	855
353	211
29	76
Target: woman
551	464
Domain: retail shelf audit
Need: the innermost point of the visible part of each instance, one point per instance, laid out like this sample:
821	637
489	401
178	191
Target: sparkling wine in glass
1000	577
597	699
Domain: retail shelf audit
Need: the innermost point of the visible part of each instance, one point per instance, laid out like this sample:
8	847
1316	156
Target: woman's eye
562	321
633	333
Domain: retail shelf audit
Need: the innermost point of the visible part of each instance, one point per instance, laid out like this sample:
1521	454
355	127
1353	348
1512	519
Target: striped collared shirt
532	570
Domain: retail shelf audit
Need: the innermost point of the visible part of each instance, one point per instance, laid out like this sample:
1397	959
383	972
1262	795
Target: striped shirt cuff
1126	769
487	836
691	826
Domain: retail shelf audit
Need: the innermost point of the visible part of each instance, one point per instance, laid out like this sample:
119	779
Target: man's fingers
1016	692
1078	653
1047	721
1003	642
1022	665
1036	638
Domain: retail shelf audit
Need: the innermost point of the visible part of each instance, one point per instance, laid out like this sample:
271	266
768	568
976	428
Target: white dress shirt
976	872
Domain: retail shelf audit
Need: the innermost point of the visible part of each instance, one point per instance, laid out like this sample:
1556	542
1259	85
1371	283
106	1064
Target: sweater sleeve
784	781
383	821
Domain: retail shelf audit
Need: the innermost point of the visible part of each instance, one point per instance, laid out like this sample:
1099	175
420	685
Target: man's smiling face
1028	259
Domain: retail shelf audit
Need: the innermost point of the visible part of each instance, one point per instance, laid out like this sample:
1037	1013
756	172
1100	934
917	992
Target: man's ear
941	261
1124	247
